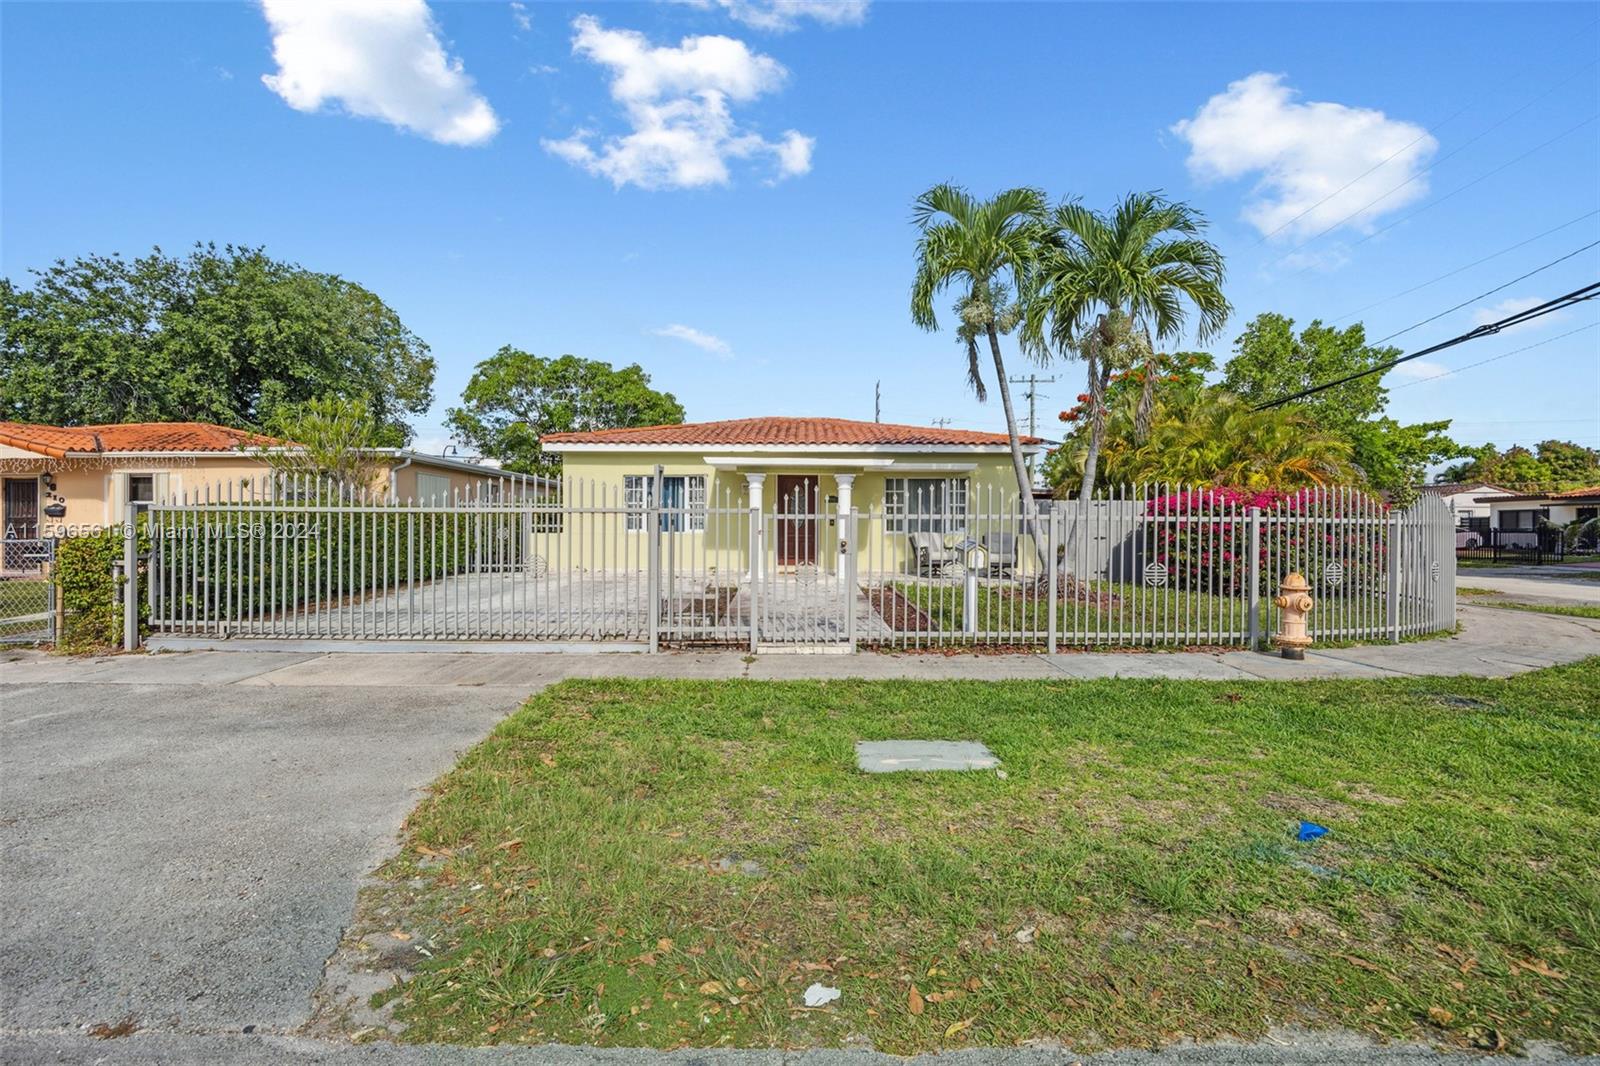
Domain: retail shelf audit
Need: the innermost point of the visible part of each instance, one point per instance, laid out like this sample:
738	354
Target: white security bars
661	561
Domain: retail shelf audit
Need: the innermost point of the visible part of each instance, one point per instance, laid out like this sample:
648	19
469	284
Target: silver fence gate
600	565
27	595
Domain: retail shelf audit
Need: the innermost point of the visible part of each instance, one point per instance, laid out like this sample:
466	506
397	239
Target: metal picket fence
635	567
27	597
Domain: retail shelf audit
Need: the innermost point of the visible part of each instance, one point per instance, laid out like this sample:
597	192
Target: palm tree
1204	436
988	248
1145	261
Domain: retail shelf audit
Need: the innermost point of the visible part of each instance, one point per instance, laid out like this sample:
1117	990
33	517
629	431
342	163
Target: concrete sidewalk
1492	643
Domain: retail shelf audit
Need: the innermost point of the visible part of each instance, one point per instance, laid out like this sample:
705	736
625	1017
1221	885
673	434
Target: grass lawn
1573	610
21	600
673	863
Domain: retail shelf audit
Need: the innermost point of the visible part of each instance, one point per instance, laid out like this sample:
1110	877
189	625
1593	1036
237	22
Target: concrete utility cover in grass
888	756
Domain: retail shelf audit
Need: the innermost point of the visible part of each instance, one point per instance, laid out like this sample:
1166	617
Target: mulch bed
898	612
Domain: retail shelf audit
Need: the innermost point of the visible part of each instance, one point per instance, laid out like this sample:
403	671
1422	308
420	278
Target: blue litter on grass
1310	831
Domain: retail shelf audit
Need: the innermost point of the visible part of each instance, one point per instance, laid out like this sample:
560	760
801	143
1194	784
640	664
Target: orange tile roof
61	441
800	432
1590	493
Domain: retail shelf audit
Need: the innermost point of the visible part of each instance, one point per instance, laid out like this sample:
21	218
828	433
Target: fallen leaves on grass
1538	966
914	1002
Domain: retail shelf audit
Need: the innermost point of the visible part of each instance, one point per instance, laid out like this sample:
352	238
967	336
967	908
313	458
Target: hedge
226	563
90	596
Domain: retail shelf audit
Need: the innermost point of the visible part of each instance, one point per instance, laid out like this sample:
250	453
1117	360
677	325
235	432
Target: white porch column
753	485
845	481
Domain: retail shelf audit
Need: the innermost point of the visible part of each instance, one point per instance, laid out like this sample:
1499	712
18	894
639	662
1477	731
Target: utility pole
877	401
1033	381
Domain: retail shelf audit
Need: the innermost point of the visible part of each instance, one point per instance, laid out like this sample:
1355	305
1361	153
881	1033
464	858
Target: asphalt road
188	856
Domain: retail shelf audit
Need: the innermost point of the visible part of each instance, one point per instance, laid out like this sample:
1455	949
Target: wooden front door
797	519
21	504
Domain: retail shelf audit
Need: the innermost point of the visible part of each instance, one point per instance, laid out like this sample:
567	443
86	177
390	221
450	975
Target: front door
21	508
797	519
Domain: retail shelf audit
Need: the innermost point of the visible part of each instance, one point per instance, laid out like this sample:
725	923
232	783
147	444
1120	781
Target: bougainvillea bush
1202	537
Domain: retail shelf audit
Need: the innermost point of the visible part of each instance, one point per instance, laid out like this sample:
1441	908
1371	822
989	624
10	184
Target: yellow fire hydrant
1293	602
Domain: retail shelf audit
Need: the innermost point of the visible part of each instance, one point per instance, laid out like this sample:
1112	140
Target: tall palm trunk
1030	511
1097	424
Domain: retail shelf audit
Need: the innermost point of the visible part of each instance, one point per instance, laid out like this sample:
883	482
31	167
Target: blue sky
720	190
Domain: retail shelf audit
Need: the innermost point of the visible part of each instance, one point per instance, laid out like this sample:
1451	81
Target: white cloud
704	341
378	59
677	101
519	15
1324	261
1495	312
1305	153
784	15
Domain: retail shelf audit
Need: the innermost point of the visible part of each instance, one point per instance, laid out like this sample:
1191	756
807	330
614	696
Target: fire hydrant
1293	602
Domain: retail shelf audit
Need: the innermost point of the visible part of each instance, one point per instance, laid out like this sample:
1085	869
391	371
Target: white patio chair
929	554
1002	549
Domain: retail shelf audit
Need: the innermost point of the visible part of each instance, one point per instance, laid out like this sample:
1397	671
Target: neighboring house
919	479
1525	513
1467	501
59	480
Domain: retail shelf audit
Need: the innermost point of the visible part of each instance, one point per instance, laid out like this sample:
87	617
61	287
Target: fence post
1392	606
1253	577
653	559
754	487
969	599
1052	577
847	522
130	576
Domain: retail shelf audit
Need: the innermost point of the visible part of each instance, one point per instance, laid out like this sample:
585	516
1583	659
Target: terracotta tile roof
60	441
800	432
1450	488
1590	493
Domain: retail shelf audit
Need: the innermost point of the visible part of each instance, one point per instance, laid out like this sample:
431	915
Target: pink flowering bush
1202	537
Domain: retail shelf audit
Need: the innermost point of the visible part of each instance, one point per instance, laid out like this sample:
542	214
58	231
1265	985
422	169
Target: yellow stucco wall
94	490
595	479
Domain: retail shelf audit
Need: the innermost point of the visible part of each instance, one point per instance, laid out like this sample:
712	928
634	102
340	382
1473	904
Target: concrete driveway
188	855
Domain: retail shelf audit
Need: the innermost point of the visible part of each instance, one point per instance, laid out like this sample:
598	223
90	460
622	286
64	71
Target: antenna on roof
877	401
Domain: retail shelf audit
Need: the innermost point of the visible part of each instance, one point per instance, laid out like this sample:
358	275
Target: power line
1469	266
1491	292
1436	201
1497	358
1588	292
1429	168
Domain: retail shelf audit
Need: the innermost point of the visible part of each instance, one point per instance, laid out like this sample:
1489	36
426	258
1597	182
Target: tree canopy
226	336
515	397
1271	361
1551	465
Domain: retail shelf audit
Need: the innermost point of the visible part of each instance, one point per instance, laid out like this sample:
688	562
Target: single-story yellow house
64	480
911	479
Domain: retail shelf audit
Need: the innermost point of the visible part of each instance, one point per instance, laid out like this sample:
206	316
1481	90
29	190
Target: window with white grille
925	504
683	499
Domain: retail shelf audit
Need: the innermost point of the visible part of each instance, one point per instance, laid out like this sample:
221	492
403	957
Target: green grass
20	598
1472	590
1571	610
566	876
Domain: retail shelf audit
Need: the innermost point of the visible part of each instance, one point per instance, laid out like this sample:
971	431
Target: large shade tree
985	250
1115	286
225	335
515	397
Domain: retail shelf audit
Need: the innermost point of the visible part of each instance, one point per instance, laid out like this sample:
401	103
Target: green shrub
90	596
226	563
